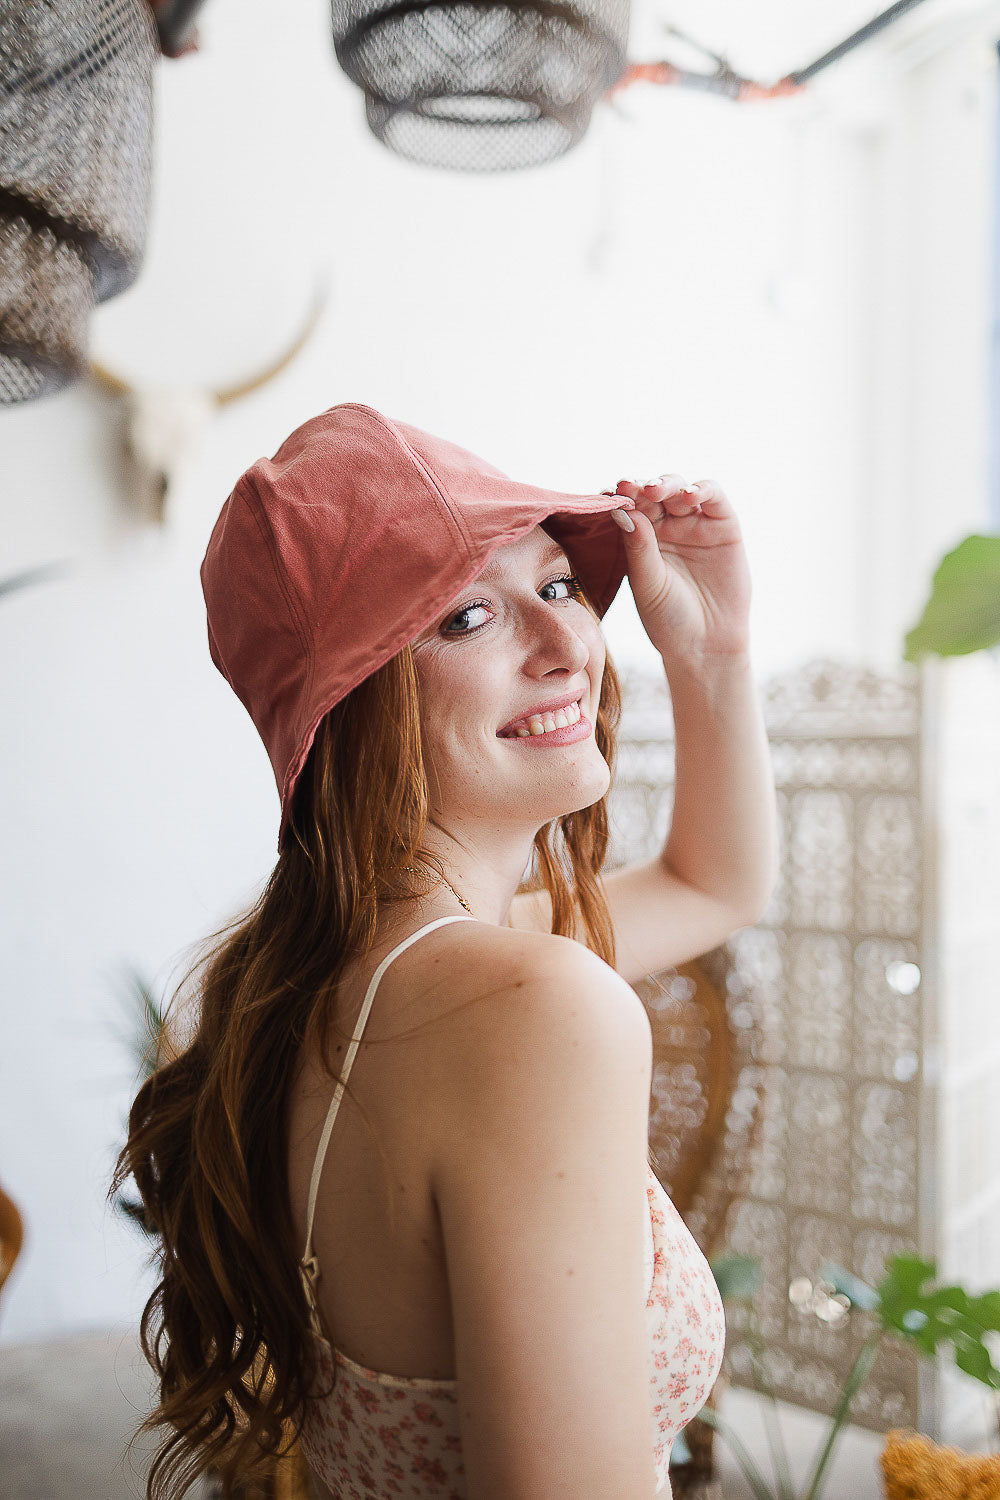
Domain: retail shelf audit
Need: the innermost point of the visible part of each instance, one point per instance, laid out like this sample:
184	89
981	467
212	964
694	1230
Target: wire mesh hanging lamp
76	109
477	85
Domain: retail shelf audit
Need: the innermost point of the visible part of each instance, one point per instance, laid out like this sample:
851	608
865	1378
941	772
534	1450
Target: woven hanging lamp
479	86
76	109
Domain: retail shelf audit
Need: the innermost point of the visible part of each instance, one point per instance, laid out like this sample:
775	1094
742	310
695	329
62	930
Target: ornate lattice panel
858	1149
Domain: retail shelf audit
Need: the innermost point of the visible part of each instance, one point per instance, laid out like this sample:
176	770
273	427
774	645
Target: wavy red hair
225	1329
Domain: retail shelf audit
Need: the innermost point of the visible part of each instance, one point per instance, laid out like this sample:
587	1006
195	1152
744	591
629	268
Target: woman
474	1286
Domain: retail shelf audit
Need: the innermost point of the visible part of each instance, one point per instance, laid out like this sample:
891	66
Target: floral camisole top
393	1437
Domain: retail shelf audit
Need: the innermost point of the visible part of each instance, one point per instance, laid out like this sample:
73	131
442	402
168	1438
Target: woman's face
512	640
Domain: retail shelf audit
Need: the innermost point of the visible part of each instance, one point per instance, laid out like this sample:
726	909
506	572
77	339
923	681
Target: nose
552	636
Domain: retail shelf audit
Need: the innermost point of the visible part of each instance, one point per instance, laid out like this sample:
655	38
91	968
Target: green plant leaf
738	1277
772	1419
146	1023
975	1360
775	1439
752	1474
142	1040
136	1212
928	1317
904	1278
963	612
987	1310
856	1377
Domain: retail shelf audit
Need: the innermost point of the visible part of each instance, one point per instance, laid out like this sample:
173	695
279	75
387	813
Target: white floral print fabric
390	1437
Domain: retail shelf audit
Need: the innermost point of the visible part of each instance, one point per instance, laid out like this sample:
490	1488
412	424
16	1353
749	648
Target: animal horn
254	382
116	385
112	383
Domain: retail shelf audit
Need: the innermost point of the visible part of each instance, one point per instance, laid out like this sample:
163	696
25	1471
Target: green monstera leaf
963	612
930	1316
905	1304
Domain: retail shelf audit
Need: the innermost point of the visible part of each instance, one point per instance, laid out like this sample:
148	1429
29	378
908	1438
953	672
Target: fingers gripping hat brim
329	557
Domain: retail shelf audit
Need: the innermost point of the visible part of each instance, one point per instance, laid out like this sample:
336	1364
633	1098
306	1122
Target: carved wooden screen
836	984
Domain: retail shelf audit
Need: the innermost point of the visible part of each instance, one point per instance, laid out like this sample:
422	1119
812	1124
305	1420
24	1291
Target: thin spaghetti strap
309	1265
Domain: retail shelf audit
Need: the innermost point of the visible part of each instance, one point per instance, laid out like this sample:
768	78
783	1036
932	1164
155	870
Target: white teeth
542	724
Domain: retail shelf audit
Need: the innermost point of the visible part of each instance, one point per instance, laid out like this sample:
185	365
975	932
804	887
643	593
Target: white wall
790	298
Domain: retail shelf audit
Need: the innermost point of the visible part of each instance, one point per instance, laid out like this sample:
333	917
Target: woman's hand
687	567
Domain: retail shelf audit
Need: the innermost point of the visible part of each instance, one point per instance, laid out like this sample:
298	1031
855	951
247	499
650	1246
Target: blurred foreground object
914	1468
11	1235
76	109
902	1308
480	87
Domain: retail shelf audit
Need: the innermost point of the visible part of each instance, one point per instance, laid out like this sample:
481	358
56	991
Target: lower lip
568	734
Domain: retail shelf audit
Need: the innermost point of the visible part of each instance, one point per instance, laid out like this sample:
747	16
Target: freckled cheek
462	740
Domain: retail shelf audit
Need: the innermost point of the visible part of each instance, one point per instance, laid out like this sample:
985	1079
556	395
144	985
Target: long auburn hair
226	1327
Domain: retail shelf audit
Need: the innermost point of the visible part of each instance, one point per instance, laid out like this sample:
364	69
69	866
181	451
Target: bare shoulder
505	979
530	1019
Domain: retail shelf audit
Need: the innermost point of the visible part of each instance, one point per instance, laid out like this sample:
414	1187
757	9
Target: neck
479	887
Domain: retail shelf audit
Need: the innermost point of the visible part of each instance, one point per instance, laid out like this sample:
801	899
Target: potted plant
906	1305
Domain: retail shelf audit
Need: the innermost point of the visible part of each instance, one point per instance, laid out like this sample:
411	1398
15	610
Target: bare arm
540	1183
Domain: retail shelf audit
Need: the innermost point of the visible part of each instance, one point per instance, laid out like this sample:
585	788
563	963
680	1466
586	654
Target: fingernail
624	520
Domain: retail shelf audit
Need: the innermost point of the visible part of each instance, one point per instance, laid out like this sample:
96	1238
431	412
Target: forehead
534	547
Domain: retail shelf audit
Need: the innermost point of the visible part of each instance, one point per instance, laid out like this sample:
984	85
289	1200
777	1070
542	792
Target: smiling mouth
538	724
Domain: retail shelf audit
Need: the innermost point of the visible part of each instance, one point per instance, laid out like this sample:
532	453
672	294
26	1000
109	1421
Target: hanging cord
725	80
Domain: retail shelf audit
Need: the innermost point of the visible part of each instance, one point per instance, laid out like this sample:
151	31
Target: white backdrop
791	297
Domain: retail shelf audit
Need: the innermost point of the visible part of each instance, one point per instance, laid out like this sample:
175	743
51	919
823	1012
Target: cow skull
165	425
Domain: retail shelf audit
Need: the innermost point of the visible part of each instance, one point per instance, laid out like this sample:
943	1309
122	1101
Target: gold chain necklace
413	869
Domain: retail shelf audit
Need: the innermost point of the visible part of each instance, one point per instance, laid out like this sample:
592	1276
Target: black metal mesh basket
481	87
76	111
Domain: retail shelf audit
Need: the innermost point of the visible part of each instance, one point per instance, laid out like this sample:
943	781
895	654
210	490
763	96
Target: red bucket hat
356	509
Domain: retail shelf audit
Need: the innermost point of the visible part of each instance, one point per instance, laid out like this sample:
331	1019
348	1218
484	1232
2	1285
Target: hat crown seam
432	480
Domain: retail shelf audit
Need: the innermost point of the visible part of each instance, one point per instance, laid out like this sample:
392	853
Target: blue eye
571	581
